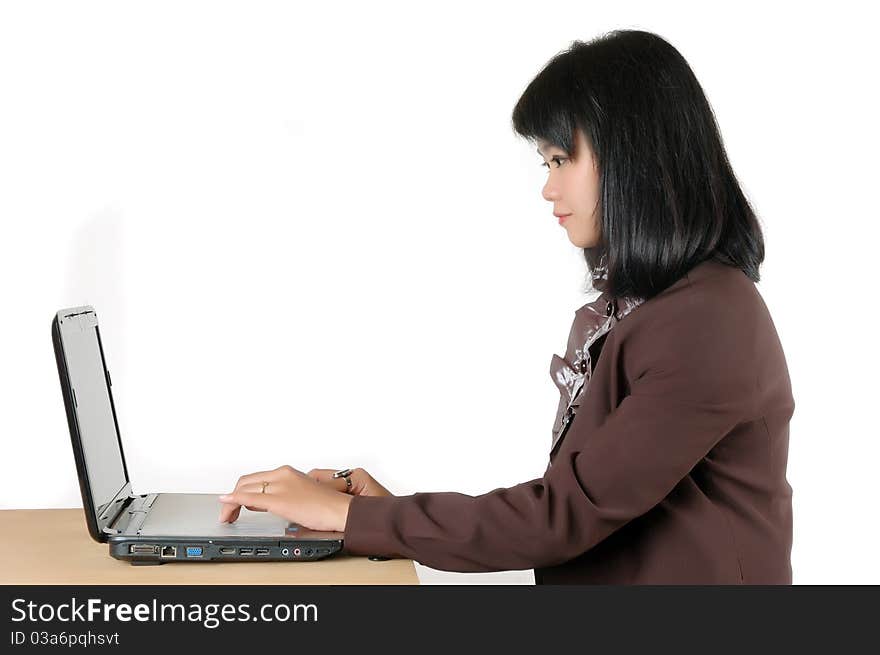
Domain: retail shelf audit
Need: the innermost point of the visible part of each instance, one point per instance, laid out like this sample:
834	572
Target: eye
556	160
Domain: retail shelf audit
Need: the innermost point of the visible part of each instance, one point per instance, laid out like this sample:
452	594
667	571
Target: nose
550	192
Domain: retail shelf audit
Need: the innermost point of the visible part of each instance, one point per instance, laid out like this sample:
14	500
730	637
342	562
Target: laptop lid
91	417
97	445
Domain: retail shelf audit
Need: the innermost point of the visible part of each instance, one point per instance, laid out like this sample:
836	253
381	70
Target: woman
670	444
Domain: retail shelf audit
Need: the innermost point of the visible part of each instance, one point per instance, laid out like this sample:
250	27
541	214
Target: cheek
580	191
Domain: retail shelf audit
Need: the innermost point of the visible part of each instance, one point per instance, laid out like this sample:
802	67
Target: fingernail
225	497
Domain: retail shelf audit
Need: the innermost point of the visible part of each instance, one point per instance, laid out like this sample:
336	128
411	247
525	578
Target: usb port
227	551
262	551
245	551
193	551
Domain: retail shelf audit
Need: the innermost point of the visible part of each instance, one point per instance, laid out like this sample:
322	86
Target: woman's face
573	188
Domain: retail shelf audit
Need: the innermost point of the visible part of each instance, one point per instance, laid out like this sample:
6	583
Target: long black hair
668	197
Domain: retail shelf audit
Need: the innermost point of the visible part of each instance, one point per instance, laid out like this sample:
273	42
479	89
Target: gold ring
263	490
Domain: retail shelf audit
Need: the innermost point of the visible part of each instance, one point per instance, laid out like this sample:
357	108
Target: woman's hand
362	483
291	494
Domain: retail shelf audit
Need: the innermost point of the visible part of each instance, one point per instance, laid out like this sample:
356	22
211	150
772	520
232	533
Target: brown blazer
672	470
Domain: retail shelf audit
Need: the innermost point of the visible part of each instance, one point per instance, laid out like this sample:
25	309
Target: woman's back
729	519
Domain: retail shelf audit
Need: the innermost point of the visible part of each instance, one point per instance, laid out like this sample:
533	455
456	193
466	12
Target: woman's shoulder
705	341
713	315
710	292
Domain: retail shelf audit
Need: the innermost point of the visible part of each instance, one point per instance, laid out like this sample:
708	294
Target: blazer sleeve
691	385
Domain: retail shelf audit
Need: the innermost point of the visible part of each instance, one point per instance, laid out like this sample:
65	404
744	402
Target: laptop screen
86	370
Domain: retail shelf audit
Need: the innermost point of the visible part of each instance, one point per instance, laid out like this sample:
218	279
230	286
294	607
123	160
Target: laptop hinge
114	509
141	503
135	513
135	521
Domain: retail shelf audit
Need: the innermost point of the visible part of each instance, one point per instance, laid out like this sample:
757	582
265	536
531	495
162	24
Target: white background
312	238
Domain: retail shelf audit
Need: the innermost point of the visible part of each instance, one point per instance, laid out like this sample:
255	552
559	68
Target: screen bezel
97	522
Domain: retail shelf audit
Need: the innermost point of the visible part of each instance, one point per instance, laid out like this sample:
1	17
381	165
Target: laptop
153	528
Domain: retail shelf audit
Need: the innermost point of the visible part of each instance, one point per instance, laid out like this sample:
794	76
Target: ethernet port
169	551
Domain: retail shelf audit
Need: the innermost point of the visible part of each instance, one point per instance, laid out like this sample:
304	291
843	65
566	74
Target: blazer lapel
571	374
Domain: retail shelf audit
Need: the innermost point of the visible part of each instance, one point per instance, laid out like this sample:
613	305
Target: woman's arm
691	390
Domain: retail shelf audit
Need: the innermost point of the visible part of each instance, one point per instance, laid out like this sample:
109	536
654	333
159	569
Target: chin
581	243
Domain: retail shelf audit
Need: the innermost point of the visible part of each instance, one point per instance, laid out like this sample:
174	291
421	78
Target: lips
562	217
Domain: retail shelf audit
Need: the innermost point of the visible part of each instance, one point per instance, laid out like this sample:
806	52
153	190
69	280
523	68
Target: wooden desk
53	546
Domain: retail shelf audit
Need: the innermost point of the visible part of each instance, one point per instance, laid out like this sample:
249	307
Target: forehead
545	146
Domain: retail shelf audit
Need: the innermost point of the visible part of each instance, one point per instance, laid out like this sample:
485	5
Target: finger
325	476
321	475
229	513
266	502
231	508
268	476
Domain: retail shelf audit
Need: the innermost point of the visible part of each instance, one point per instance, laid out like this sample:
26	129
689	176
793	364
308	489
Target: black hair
668	197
